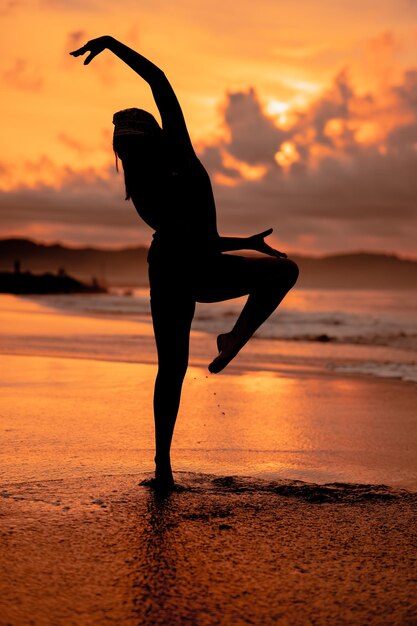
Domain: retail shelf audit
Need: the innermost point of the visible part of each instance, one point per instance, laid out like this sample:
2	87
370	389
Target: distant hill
128	267
360	270
27	283
112	267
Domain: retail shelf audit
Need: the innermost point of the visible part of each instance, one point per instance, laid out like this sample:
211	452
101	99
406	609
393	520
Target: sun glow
367	133
277	107
287	155
280	111
246	171
225	181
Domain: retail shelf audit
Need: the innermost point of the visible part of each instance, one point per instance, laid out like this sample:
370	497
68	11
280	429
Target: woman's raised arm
173	121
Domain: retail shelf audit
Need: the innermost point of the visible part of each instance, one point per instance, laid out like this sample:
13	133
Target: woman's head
137	142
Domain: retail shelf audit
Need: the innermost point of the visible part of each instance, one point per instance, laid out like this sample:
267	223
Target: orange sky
304	113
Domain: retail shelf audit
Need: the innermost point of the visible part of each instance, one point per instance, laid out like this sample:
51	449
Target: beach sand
282	517
104	550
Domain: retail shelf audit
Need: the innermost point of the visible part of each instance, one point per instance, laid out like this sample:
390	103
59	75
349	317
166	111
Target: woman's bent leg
172	322
267	281
262	302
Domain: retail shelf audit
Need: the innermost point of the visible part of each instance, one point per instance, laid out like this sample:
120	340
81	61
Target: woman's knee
283	272
172	372
291	271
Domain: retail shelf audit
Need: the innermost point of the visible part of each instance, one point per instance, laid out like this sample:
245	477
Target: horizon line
118	248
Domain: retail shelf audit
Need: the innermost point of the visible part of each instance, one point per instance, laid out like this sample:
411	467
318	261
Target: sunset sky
303	112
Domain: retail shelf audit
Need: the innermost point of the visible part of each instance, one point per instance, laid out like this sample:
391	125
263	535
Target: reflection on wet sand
155	585
222	551
64	418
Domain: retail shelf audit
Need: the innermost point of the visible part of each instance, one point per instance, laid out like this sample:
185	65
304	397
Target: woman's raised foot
228	349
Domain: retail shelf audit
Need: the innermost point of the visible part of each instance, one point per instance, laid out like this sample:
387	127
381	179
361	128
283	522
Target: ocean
344	330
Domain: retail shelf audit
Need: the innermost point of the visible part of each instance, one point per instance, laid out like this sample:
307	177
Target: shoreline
33	327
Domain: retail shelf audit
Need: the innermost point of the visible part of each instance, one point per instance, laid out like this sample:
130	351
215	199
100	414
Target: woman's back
177	201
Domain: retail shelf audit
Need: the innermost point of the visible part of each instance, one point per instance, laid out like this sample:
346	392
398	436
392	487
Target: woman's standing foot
164	478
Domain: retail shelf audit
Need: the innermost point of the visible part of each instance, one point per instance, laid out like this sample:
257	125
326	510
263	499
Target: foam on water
343	318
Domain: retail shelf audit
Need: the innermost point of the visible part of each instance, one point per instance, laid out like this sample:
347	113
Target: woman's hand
94	47
256	242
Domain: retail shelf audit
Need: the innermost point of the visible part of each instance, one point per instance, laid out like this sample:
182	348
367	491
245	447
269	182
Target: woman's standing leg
172	315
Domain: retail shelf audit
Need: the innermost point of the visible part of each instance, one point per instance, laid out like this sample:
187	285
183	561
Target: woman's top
178	202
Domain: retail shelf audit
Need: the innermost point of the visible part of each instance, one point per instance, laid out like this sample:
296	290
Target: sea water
352	331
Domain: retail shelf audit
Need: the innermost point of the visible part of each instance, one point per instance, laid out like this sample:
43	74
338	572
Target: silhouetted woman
172	193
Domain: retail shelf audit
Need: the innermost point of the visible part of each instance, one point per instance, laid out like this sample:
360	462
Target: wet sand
224	551
69	417
309	536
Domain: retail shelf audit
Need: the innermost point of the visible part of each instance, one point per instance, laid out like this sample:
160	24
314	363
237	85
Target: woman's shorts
196	277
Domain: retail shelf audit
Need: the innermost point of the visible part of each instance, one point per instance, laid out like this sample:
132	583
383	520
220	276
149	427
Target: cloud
346	168
254	138
381	52
407	90
76	39
340	175
23	77
335	104
85	202
77	146
9	6
72	5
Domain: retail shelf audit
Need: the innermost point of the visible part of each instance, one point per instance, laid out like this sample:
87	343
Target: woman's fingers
93	50
261	246
85	48
265	233
94	47
90	58
273	252
279	255
76	53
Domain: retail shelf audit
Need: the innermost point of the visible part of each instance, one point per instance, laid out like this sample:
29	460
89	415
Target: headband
134	122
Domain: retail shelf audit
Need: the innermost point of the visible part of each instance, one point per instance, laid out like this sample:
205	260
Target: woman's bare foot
228	349
164	480
163	475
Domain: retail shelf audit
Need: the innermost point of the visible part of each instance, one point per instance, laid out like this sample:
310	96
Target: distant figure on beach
172	193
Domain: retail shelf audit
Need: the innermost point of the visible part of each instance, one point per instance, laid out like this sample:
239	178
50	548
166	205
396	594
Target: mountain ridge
128	267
